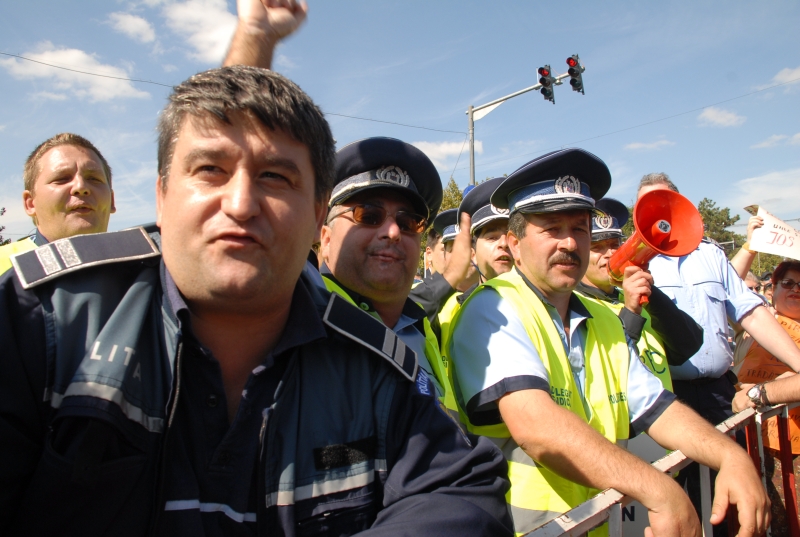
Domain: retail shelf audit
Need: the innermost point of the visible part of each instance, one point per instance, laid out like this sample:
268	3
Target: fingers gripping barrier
607	506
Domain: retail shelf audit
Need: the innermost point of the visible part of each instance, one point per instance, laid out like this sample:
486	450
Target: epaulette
709	240
360	326
63	256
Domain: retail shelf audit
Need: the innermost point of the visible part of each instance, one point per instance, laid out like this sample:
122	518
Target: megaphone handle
643	299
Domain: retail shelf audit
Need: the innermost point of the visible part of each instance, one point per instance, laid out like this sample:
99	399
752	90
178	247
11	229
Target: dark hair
31	169
657	179
517	224
277	102
781	270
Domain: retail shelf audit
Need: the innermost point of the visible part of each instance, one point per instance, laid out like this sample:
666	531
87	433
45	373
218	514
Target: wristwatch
758	395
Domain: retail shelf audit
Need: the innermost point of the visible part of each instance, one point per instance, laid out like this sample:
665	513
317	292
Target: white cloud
784	76
206	25
777	191
795	140
769	142
133	26
444	154
82	86
718	117
49	96
283	64
168	68
648	146
2	128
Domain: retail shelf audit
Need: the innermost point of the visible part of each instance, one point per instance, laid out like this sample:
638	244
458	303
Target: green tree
2	240
716	221
452	196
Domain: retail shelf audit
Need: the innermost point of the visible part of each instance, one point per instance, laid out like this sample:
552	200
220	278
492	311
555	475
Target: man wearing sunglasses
385	194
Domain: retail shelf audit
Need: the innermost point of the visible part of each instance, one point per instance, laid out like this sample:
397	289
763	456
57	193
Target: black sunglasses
790	285
374	216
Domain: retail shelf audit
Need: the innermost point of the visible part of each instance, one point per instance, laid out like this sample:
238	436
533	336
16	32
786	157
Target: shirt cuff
482	407
643	422
632	323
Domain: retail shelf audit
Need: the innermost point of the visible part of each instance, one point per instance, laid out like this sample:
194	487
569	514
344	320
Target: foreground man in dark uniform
215	391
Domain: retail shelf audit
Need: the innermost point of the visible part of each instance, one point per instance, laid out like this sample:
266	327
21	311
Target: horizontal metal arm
559	78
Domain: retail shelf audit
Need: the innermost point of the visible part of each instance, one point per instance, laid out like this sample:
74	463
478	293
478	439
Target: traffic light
547	80
575	73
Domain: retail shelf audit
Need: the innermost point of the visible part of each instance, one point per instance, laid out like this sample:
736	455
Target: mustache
386	250
563	258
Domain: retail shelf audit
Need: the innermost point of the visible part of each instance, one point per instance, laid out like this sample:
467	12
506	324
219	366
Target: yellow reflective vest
7	250
651	349
538	494
431	352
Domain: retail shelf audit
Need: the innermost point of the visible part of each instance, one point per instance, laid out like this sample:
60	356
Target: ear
159	200
325	242
113	204
30	205
513	245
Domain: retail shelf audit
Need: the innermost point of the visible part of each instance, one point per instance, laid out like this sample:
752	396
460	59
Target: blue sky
423	63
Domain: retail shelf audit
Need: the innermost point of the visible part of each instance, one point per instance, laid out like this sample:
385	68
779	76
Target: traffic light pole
492	105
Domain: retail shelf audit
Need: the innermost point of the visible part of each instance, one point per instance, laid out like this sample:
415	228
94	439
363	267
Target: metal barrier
607	506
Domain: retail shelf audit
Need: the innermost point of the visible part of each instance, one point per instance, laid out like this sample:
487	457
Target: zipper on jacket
159	501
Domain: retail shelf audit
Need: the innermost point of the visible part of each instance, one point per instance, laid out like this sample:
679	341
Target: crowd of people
262	361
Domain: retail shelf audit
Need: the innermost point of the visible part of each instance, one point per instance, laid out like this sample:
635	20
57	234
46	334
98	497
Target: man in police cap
550	377
491	256
385	194
206	388
665	334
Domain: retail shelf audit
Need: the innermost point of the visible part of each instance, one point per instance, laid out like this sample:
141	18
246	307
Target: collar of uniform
410	308
465	295
303	325
598	293
575	304
39	239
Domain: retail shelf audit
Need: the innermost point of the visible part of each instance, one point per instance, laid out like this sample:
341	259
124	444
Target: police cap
607	222
445	224
387	163
478	206
556	181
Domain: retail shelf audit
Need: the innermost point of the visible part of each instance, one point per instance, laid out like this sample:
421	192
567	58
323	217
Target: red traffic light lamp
575	70
547	81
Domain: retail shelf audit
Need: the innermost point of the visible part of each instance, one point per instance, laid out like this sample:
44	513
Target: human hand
460	258
753	223
636	283
676	517
738	484
275	18
741	401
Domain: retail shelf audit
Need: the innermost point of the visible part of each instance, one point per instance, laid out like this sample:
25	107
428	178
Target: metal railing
607	506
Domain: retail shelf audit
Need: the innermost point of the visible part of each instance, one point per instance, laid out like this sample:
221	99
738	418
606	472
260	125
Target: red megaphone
666	223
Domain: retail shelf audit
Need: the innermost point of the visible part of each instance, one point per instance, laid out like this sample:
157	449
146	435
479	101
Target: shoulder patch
365	329
74	253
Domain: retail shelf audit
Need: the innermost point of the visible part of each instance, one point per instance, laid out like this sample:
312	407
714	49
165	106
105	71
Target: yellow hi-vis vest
538	494
431	352
6	251
446	316
651	350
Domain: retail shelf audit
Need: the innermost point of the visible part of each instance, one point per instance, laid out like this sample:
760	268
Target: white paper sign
775	237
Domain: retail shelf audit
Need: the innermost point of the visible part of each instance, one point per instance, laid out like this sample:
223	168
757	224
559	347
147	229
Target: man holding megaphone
665	334
704	284
554	380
